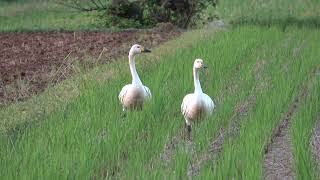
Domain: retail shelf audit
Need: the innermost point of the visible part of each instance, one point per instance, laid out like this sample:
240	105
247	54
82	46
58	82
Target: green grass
252	40
88	138
242	156
42	16
270	55
302	130
282	12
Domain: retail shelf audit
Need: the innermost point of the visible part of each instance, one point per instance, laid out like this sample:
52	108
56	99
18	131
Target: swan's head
137	49
198	64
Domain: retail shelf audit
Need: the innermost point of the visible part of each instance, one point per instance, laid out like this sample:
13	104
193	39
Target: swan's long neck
197	86
134	74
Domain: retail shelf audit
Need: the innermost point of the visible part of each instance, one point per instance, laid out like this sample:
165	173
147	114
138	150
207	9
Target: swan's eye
138	47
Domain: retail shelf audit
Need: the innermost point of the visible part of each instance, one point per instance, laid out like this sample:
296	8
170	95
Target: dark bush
178	12
145	13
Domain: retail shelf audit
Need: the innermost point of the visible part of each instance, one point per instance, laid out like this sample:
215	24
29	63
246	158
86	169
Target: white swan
196	105
132	96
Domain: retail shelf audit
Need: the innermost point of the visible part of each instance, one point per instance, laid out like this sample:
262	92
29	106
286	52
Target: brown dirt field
30	61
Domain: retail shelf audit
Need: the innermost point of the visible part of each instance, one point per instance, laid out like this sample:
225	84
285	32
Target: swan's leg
188	128
124	112
189	132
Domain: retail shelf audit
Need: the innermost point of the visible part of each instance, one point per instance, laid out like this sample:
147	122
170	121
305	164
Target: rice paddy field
263	75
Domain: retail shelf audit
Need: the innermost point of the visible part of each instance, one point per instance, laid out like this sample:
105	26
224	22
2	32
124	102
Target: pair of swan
194	106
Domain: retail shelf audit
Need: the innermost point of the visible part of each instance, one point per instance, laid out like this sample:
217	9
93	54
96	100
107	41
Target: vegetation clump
144	13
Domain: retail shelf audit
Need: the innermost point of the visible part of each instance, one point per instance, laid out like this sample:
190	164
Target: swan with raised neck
132	96
198	104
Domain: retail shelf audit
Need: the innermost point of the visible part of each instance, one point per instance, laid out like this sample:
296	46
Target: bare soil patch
30	61
278	160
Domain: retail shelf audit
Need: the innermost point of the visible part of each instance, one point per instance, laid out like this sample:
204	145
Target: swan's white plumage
147	93
123	92
195	107
133	96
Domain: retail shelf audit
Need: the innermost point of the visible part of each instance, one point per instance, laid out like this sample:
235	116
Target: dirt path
278	160
30	61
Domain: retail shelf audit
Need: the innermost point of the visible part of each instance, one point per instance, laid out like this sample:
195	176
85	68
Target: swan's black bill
146	50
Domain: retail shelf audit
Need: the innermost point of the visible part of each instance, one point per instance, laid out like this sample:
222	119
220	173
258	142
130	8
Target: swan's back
208	103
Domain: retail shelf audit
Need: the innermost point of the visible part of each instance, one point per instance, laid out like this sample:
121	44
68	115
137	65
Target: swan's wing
123	92
148	92
184	105
209	103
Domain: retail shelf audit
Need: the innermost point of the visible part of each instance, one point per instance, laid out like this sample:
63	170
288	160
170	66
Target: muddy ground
30	61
